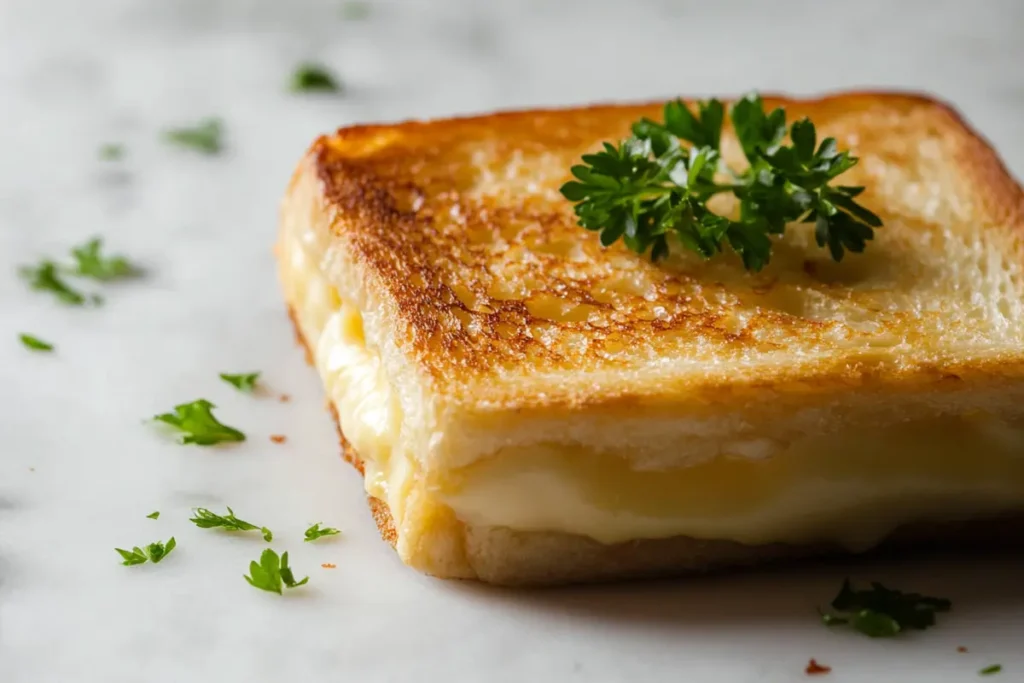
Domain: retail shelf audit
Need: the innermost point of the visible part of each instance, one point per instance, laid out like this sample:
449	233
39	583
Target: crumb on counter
284	398
813	668
961	648
278	438
329	565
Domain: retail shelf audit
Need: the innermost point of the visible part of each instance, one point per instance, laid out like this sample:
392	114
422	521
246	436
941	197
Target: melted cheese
848	488
851	488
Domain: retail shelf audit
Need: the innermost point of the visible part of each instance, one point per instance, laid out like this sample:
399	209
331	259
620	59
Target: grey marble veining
79	470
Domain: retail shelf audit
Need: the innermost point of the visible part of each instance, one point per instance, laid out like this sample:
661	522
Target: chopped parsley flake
316	531
154	552
243	382
311	77
35	343
198	425
271	572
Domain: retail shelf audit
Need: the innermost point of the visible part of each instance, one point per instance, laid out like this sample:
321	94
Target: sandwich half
527	406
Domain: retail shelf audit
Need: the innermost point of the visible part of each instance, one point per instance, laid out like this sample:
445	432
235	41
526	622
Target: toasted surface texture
484	331
459	228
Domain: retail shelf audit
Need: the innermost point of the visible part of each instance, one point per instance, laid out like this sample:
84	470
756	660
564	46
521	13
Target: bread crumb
284	398
813	668
961	648
278	438
329	565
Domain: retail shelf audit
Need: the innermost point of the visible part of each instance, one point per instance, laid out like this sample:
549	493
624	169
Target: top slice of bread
481	290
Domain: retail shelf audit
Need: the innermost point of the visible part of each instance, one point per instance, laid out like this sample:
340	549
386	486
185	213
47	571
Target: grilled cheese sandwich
531	406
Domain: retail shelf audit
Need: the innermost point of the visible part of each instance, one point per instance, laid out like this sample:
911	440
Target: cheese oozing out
851	488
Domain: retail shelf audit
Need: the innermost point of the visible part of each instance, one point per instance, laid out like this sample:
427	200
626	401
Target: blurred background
102	67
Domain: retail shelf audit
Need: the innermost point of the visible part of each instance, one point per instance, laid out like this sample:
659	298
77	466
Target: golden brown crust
458	229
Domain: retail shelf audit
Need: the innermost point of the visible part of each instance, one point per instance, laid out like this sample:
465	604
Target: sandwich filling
850	488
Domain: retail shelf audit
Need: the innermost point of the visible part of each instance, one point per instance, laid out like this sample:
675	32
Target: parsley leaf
271	572
153	515
205	519
157	551
35	343
111	151
199	425
45	278
91	263
309	77
991	669
314	532
154	552
133	556
650	187
881	612
204	137
243	382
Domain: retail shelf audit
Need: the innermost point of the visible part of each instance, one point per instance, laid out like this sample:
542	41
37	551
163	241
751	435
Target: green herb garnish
111	151
153	515
204	137
199	425
205	519
271	572
243	382
314	532
991	669
46	278
35	343
354	10
91	263
881	612
649	186
154	552
311	77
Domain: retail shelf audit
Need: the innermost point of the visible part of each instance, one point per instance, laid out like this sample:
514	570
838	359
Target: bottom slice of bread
503	556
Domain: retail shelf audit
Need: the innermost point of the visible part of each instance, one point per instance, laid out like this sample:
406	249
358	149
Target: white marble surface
79	469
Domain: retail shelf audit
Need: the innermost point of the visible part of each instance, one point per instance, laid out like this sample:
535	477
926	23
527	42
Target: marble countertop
79	469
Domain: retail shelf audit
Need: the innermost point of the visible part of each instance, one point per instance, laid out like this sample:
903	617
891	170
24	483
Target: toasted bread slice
531	407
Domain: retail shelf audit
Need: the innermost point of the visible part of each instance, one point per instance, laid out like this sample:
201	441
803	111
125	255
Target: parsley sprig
198	425
206	519
650	186
271	572
881	612
46	277
90	262
154	552
316	531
